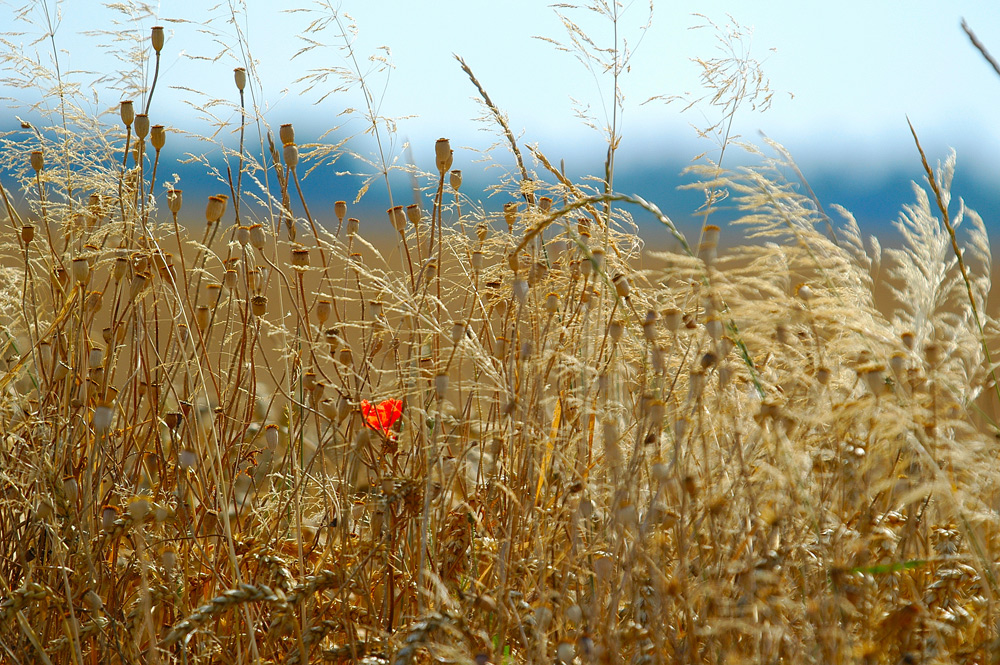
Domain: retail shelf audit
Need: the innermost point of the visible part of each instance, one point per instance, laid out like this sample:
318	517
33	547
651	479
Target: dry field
253	439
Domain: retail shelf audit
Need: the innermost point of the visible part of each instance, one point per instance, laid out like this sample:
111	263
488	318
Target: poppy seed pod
127	112
414	214
510	214
157	37
258	305
81	270
398	218
37	160
291	155
141	124
456	179
300	257
340	210
443	155
240	76
323	309
478	260
622	287
27	233
440	385
545	203
158	137
215	208
353	225
174	200
287	134
257	236
243	235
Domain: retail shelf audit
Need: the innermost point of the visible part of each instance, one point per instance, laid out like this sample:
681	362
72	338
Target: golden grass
715	456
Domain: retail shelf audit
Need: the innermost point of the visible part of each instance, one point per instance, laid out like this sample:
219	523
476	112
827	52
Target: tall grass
254	438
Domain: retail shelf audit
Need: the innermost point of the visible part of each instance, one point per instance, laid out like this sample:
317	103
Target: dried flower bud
37	160
456	179
287	134
127	112
157	38
141	124
157	137
240	76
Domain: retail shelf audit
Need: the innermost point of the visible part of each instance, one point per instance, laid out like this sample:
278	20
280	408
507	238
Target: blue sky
844	75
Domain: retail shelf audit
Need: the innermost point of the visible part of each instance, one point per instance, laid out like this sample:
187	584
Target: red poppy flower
382	417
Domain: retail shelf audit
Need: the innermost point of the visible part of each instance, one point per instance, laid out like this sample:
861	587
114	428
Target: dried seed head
456	179
81	270
127	112
243	235
158	137
616	329
139	282
510	214
323	309
909	340
157	38
478	260
520	289
258	305
240	76
440	385
37	160
103	416
27	233
174	200
291	155
257	236
597	258
482	231
287	134
457	331
141	123
340	210
414	214
545	203
622	287
345	356
804	291
353	225
552	303
300	257
443	155
201	316
108	516
215	208
398	218
713	325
